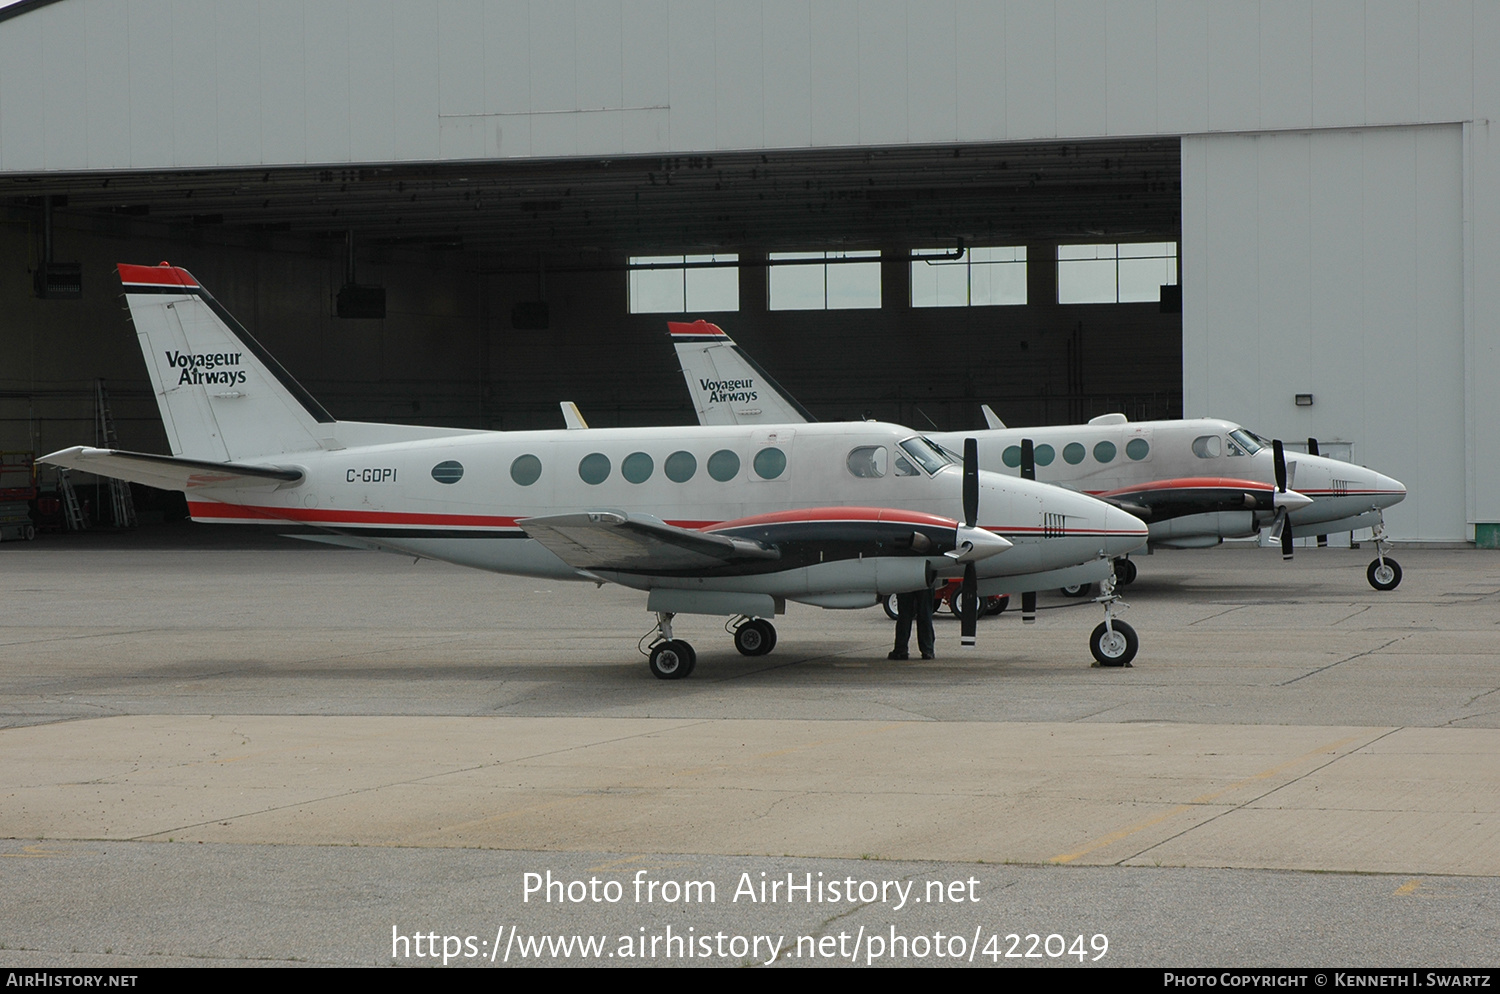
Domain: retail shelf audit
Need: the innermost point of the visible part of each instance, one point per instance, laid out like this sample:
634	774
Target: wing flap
172	472
616	540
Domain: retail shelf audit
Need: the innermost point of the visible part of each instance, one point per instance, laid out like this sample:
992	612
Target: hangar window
1115	274
983	277
823	281
677	284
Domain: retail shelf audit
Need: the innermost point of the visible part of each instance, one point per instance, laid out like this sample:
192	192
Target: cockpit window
927	453
867	462
1207	447
1246	440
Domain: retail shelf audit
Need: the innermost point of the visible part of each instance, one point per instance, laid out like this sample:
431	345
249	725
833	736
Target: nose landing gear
1384	573
1113	643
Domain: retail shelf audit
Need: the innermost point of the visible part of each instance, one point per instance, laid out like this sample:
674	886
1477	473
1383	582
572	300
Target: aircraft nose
1389	491
1123	532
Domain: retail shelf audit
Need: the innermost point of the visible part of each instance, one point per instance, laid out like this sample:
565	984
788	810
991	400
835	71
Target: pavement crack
1320	669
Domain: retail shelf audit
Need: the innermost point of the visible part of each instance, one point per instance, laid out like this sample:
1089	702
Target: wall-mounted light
1304	400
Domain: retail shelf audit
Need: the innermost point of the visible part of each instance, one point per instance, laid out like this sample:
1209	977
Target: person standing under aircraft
914	605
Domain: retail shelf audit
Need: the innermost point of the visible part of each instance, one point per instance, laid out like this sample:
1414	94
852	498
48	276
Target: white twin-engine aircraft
708	520
1195	482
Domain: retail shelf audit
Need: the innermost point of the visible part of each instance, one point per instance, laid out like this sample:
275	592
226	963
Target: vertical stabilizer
221	394
726	385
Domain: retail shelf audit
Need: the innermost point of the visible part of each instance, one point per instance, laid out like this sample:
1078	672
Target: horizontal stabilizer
615	540
172	472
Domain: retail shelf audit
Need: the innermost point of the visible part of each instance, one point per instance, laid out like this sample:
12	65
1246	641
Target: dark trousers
917	606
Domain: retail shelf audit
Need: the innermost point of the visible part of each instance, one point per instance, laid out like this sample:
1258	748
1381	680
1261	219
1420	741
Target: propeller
1283	519
1028	472
969	622
1312	450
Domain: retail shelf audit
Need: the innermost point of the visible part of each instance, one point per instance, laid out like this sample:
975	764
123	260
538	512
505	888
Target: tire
673	659
996	605
755	637
1077	590
889	604
1125	572
956	604
1116	649
1386	577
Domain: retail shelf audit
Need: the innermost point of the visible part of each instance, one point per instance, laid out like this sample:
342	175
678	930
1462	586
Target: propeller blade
1286	536
1028	459
1028	608
970	617
1312	446
1280	455
971	482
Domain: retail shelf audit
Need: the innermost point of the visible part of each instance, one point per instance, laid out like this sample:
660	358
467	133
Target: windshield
1248	441
927	452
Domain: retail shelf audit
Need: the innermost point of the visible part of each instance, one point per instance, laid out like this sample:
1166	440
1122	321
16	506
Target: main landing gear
674	659
1113	643
1384	572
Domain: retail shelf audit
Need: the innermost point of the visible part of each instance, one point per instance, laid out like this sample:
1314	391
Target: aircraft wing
171	472
616	540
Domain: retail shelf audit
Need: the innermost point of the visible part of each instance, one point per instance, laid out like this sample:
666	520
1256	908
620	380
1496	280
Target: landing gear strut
1384	572
1113	643
670	659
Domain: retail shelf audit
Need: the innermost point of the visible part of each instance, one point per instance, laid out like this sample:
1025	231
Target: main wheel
1384	575
1077	590
755	637
996	605
672	660
1115	647
889	604
1124	572
956	604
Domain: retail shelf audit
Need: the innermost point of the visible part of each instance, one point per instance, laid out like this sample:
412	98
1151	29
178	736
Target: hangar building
1285	212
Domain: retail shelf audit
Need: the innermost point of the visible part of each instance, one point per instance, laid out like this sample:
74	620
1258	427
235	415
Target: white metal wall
111	84
1331	263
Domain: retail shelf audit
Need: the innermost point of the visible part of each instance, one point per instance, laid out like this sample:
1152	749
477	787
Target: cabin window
1073	453
769	463
680	467
526	470
1105	451
1044	455
1137	448
1011	456
637	467
1207	447
724	465
867	462
593	468
448	472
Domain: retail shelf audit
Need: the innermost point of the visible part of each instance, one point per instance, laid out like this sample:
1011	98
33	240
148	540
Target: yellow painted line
33	852
1124	833
1407	888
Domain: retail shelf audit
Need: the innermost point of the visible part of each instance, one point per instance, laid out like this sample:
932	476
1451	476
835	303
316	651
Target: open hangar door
508	286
